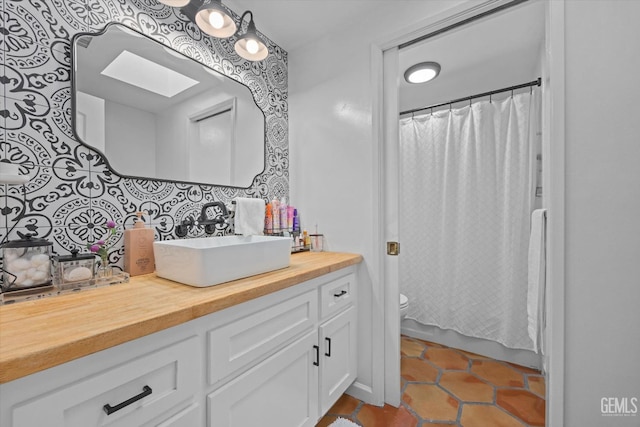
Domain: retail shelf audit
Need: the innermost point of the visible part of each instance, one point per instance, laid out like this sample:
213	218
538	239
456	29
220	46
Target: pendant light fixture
250	45
175	3
215	19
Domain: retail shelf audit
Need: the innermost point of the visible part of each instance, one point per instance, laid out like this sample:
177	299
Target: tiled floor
443	386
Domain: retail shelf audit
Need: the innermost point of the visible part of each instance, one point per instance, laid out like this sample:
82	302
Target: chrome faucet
204	220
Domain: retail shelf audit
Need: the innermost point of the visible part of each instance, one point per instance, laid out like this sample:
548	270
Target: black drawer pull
317	361
328	352
342	292
146	391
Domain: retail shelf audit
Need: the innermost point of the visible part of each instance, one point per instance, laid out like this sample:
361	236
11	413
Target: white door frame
385	113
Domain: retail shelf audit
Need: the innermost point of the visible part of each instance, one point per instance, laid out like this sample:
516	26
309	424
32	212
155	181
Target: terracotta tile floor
443	386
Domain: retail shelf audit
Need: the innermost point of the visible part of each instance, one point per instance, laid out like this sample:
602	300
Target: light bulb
216	19
252	46
421	76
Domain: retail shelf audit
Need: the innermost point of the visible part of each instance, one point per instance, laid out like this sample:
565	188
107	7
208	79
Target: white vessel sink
209	261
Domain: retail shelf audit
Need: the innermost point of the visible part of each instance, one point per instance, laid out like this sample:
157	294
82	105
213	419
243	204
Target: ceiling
500	50
497	51
293	23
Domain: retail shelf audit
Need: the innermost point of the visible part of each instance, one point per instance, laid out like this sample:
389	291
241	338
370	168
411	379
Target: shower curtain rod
537	82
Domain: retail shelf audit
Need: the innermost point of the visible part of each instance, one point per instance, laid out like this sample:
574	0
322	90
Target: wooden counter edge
20	365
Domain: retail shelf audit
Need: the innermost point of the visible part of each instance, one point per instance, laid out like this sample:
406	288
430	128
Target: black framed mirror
155	113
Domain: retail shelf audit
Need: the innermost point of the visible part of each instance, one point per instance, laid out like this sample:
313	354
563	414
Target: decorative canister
74	268
26	263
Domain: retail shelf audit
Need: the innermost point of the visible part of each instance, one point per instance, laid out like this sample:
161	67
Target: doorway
455	86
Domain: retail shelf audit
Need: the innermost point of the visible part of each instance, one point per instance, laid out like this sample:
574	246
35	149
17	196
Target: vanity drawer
247	340
337	294
152	383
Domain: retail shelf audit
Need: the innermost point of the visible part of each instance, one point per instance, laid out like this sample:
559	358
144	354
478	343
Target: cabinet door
280	391
188	417
239	344
337	357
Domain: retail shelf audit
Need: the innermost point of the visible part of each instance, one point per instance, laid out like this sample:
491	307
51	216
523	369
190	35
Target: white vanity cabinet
337	337
281	359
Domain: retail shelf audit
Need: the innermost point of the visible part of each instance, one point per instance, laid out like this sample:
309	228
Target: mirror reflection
155	113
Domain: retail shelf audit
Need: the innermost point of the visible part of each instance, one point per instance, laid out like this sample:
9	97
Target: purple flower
111	224
100	243
94	248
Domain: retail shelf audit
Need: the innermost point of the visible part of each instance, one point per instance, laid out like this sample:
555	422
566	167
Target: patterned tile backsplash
72	192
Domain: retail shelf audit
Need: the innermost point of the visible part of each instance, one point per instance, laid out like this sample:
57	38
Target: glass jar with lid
26	263
73	270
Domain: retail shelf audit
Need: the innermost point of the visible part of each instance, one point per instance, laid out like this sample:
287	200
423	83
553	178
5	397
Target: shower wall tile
72	191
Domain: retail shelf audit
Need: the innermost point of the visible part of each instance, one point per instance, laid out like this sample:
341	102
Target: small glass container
73	269
317	242
26	263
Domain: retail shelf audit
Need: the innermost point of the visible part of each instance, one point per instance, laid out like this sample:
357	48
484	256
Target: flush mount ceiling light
249	45
215	19
422	72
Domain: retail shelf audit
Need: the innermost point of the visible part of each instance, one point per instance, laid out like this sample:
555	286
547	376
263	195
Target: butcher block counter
37	335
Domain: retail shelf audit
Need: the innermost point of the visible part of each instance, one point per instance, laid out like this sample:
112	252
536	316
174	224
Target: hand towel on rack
536	277
249	218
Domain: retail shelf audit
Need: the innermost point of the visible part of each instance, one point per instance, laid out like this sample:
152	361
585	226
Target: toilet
404	306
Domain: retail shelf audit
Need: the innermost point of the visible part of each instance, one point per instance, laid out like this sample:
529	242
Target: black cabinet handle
317	361
343	292
328	353
146	391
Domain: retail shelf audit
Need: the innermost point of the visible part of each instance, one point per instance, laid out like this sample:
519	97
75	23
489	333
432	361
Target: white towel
249	218
536	281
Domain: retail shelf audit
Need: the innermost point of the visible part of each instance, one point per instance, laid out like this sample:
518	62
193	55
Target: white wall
137	159
602	338
174	131
331	153
330	112
90	120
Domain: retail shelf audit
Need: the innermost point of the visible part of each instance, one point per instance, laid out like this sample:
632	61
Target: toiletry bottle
268	220
306	239
275	209
296	221
290	210
283	214
138	248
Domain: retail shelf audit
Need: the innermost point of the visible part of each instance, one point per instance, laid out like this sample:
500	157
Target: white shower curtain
467	192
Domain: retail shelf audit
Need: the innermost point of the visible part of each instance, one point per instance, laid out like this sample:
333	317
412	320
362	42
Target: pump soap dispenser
138	248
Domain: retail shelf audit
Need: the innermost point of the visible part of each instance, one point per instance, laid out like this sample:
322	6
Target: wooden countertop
37	335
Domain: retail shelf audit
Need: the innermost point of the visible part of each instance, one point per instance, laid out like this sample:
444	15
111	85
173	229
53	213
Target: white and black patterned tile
20	147
39	30
276	72
277	132
103	210
43	142
3	131
149	17
62	238
33	84
278	186
46	191
73	188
